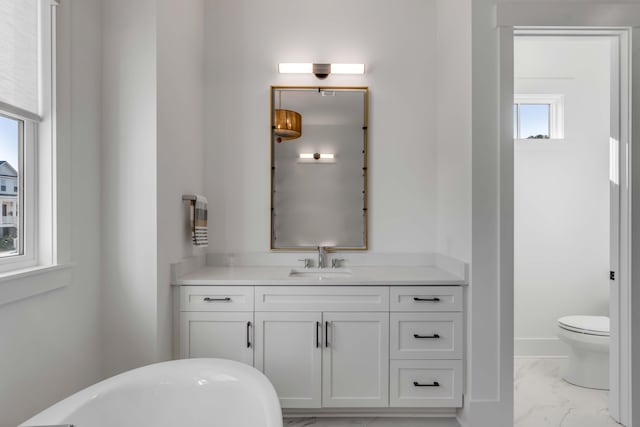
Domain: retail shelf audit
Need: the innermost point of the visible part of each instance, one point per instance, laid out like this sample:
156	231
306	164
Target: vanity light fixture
316	157
321	71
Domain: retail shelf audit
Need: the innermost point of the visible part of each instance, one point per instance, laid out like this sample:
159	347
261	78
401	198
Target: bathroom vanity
332	340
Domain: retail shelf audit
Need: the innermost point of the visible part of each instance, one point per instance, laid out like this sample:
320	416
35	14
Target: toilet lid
590	325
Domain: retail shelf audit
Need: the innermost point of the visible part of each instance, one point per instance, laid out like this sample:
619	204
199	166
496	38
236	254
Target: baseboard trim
371	412
483	413
539	347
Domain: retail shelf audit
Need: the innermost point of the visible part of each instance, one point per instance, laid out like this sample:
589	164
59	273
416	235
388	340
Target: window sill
19	284
538	140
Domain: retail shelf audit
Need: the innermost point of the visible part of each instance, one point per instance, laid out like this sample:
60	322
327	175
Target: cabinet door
355	361
288	352
222	335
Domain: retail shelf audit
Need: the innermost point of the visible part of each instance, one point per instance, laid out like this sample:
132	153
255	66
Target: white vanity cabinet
330	359
324	346
426	347
217	321
338	347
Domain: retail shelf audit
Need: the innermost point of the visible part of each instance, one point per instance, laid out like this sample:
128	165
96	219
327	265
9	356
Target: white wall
129	171
152	154
561	193
454	128
50	343
180	145
246	39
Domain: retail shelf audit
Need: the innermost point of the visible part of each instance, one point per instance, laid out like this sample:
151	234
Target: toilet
588	341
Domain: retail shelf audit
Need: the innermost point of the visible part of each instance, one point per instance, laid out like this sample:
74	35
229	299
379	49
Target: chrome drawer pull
435	384
426	336
209	299
435	299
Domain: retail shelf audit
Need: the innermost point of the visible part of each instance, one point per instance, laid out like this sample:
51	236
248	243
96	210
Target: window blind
19	55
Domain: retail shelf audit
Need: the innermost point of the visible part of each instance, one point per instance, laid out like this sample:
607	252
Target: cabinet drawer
216	298
426	298
322	298
426	335
426	383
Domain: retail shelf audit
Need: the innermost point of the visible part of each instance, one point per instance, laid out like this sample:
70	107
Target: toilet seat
588	325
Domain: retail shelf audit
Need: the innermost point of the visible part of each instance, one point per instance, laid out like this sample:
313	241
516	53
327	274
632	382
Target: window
26	132
538	117
11	143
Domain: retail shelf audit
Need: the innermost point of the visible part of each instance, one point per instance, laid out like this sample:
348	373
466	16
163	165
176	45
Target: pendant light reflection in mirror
287	123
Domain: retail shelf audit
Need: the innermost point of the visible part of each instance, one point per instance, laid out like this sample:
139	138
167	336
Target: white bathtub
179	393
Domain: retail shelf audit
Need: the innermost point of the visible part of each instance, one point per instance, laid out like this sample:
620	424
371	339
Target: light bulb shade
320	70
295	68
347	68
287	124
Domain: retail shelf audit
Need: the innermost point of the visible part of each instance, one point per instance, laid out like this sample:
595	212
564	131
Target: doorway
570	207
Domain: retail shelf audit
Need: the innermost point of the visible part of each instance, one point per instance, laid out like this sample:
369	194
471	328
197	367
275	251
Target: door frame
620	301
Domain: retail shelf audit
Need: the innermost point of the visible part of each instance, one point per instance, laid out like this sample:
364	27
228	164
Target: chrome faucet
322	253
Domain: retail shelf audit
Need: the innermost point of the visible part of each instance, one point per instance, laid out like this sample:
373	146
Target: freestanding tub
179	393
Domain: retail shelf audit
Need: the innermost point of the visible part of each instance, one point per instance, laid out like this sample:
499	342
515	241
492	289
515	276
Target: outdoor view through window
11	131
531	121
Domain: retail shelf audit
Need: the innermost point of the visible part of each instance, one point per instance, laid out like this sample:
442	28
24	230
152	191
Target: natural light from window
10	138
531	121
27	135
538	117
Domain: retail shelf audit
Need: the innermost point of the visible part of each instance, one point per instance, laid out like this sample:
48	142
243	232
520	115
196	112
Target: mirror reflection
319	167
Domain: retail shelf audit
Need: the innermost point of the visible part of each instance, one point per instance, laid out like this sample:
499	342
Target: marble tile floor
370	422
543	399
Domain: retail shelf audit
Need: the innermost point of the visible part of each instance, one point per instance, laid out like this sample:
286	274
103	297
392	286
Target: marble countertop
360	276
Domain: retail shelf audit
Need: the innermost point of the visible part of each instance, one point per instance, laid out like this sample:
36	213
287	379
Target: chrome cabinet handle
209	299
435	299
426	336
248	335
435	384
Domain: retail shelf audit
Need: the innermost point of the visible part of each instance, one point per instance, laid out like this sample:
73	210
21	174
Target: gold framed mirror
319	167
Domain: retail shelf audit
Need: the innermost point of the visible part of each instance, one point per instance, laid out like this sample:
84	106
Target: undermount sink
320	273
